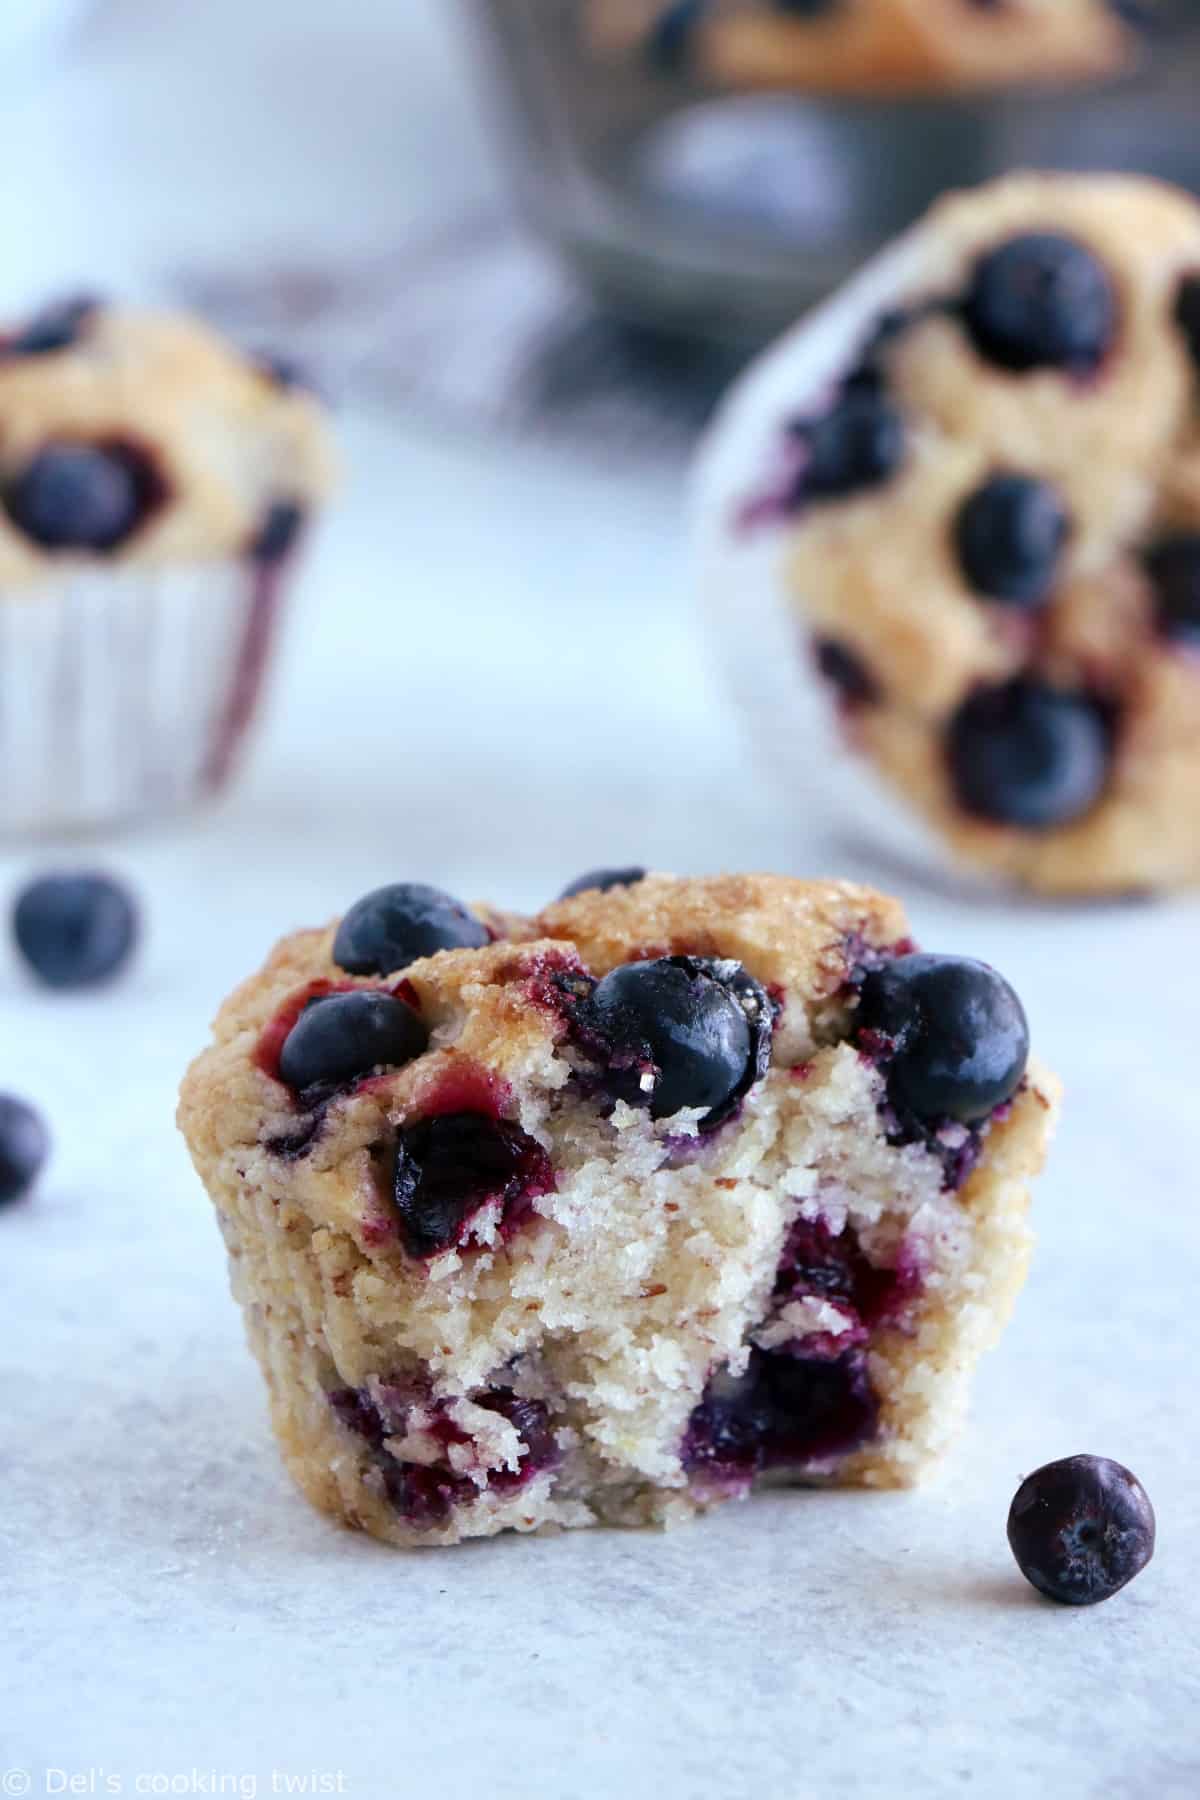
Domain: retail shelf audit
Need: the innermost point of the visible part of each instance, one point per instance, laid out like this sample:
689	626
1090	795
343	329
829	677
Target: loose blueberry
83	496
55	327
1042	301
1174	567
1081	1528
448	1167
858	445
681	1031
602	881
1009	535
1187	314
75	930
395	926
1025	754
24	1146
959	1038
342	1037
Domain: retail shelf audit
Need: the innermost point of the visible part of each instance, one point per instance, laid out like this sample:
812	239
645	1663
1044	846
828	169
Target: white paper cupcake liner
126	694
764	657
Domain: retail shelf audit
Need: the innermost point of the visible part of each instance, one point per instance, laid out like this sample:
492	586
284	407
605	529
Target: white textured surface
493	682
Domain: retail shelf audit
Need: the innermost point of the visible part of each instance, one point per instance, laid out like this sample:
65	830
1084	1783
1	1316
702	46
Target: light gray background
170	1608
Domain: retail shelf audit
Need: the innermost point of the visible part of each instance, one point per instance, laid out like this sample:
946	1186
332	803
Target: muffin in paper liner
977	651
156	487
875	47
495	1283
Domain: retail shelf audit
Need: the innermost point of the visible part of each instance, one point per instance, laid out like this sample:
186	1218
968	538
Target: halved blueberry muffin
993	521
864	46
680	1187
155	484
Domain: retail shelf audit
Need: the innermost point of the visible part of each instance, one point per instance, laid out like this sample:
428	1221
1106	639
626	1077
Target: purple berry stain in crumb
785	1412
425	1494
448	1168
1081	1529
818	1262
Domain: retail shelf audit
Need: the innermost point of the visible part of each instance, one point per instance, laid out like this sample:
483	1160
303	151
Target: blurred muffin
994	532
155	485
877	46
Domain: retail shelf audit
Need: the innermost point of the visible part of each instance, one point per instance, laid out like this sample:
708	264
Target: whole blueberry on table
75	930
24	1146
341	1037
602	881
1081	1528
958	1033
394	926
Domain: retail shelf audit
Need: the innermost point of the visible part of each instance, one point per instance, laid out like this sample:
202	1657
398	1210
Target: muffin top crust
137	436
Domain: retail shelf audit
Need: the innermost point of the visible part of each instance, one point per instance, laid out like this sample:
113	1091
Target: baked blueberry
82	496
394	926
805	9
75	930
1029	755
24	1146
1009	536
342	1037
279	531
1081	1528
1042	301
670	41
681	1031
55	327
1187	313
285	371
958	1035
1174	567
859	444
846	672
784	1412
449	1166
602	881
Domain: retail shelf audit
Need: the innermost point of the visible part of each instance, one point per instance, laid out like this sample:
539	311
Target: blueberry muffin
993	520
876	46
609	1215
155	484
